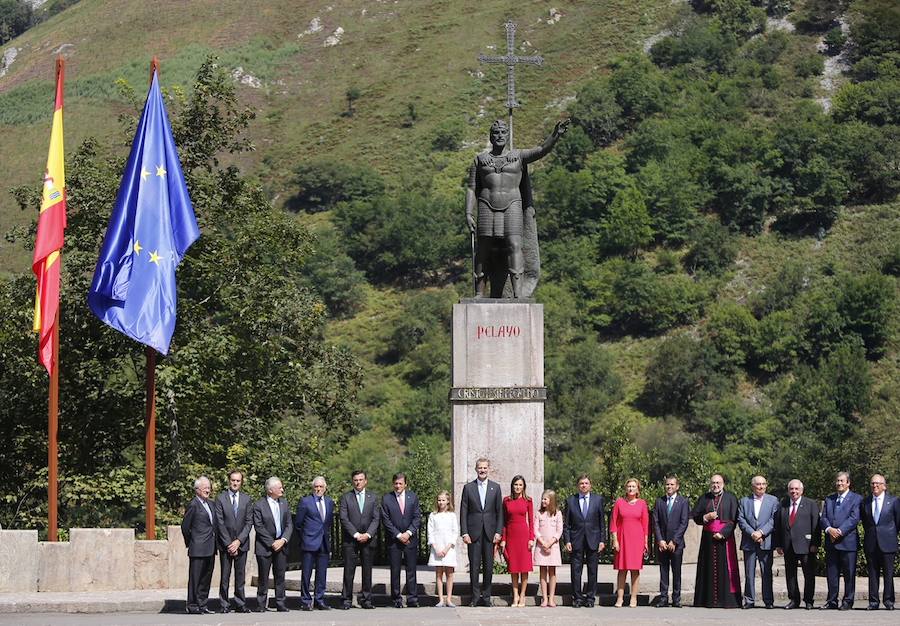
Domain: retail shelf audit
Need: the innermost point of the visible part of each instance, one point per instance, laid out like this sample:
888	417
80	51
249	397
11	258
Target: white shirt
879	500
757	505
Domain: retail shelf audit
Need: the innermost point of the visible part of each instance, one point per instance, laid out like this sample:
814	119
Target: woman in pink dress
546	548
518	538
628	529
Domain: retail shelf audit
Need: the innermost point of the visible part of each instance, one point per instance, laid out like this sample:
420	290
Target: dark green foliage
874	102
331	274
449	135
15	18
738	17
683	370
626	228
876	31
322	184
808	65
818	16
640	88
868	304
410	238
598	113
834	40
733	330
778	343
792	278
702	41
573	149
712	249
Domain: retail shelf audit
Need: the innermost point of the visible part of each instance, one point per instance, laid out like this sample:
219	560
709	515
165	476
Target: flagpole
150	421
52	444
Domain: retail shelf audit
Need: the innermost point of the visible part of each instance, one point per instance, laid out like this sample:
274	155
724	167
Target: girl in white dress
443	533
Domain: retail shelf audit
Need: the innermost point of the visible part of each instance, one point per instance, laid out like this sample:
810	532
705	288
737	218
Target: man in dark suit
797	538
880	515
481	524
839	521
402	517
315	514
234	519
360	517
584	536
199	531
756	519
272	521
670	521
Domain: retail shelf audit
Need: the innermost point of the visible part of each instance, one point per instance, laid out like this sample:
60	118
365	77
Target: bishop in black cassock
718	581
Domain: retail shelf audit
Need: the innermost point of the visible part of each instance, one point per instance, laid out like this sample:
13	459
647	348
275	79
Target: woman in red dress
517	541
628	529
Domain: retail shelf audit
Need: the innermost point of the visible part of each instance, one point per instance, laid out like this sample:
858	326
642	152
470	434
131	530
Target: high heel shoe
633	602
619	599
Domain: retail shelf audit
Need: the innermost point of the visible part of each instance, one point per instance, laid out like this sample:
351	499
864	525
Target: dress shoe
770	606
676	605
398	604
225	609
872	607
791	605
747	605
321	606
808	606
828	606
368	605
412	604
283	609
577	604
260	609
207	611
662	604
345	606
589	604
306	607
474	603
243	609
889	606
192	611
846	607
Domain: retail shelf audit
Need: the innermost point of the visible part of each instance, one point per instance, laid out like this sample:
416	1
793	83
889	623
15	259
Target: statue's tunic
497	181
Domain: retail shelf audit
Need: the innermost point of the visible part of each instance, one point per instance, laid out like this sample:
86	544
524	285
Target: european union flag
151	227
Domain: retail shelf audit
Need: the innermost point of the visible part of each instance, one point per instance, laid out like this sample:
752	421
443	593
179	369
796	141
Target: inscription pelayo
497	394
497	331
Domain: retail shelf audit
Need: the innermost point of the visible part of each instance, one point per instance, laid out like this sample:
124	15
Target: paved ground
166	606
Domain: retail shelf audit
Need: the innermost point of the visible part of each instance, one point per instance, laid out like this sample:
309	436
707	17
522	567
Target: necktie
361	500
482	492
584	502
877	513
401	500
793	514
208	512
321	506
234	503
276	515
839	500
669	505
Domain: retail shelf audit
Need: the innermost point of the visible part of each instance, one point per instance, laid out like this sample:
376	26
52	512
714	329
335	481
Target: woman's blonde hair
633	480
551	508
437	508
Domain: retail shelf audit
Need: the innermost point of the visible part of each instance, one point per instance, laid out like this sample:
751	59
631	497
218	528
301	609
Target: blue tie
669	506
276	513
584	501
877	510
234	503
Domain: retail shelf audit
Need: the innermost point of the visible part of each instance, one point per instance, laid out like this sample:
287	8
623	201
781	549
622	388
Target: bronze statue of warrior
500	188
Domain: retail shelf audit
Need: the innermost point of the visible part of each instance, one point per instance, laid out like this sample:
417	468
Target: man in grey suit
360	517
481	524
273	523
756	519
234	518
199	531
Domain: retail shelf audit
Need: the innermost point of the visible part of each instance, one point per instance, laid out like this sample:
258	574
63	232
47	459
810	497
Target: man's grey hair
200	480
844	474
795	480
270	482
318	478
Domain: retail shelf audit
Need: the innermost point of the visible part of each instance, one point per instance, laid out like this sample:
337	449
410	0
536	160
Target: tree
626	228
322	184
15	18
598	113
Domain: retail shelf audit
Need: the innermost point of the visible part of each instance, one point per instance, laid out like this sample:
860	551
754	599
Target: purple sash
716	526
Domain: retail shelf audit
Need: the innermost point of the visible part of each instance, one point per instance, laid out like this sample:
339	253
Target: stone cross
510	60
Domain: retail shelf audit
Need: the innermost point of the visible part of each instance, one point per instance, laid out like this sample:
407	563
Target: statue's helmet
499	125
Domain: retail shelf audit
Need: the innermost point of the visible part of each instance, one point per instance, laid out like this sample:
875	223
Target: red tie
793	514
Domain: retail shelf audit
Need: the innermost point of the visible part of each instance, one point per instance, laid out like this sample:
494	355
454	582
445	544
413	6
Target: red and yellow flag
49	243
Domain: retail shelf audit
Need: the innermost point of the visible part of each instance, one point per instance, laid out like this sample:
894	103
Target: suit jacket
750	523
671	526
590	528
313	532
198	530
354	521
882	535
845	518
804	533
264	523
230	526
475	520
395	523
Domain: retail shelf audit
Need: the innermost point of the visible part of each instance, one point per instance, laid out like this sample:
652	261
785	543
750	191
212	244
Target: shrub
598	113
713	249
449	135
322	184
809	65
683	369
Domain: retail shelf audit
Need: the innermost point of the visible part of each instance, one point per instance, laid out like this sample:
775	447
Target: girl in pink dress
628	529
549	528
517	541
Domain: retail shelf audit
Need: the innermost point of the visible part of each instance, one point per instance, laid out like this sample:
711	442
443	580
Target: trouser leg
395	558
765	563
790	574
208	564
808	561
576	566
832	575
665	560
677	557
593	558
306	567
279	568
367	559
225	561
848	566
350	558
474	550
263	566
321	574
749	576
487	560
411	554
240	579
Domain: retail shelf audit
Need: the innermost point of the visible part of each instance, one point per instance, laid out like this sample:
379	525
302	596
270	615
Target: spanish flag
49	242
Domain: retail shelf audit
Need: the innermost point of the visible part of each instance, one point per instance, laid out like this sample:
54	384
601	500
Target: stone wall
96	559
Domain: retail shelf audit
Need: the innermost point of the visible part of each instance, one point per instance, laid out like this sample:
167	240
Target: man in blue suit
880	515
402	517
584	535
839	520
315	515
670	521
756	519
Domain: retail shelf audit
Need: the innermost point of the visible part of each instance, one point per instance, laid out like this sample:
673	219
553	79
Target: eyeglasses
876	483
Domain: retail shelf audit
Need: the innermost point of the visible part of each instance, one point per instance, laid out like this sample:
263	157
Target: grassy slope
410	51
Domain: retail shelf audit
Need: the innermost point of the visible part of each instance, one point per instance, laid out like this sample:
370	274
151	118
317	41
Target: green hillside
720	236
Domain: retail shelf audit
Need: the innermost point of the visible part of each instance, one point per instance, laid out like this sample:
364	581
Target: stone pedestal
498	392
